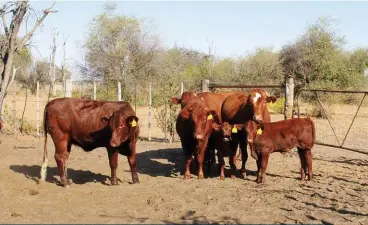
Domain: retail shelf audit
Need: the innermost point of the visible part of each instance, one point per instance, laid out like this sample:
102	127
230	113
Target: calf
90	124
225	140
281	136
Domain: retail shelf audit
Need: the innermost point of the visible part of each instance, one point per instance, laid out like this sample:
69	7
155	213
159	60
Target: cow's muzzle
257	119
227	138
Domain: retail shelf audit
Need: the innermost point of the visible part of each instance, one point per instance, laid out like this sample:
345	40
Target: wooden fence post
205	85
289	98
149	111
94	90
38	110
119	91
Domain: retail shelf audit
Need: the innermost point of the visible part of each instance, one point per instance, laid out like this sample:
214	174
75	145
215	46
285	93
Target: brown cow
194	126
239	108
185	97
282	136
90	124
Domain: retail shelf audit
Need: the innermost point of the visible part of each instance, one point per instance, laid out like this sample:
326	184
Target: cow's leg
308	157
201	150
113	161
188	160
232	161
264	162
132	162
259	165
62	149
303	164
221	164
243	148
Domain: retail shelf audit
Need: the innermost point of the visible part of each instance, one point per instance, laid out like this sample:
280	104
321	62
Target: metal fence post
289	98
149	111
37	110
205	85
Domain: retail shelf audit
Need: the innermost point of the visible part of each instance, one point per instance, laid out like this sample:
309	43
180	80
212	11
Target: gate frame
340	146
287	87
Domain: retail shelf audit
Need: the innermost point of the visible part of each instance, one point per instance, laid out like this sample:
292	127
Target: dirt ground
338	194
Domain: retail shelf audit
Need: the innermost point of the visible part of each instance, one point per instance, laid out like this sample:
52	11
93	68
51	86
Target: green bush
278	106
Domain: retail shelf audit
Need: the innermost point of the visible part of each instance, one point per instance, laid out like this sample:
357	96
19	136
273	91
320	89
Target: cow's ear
216	126
272	99
175	100
132	121
260	126
239	126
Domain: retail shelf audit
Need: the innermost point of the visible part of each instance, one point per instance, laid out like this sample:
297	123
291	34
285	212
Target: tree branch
4	21
12	78
38	23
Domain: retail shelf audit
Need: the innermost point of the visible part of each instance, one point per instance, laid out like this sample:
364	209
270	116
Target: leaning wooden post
119	91
205	85
38	110
181	88
149	111
289	98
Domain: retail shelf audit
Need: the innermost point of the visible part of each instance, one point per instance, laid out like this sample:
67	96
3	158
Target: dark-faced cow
239	108
90	124
194	126
281	136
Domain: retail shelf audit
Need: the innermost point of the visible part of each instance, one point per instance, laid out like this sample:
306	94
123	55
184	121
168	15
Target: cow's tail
45	158
313	130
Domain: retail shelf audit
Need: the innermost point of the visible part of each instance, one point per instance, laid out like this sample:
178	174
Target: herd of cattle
207	122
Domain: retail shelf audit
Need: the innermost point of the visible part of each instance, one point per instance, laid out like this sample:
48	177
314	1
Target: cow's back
235	109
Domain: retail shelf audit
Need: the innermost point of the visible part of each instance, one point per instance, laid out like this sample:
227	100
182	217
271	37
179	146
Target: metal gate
341	144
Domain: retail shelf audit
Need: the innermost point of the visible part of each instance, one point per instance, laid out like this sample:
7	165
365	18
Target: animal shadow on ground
191	218
77	176
150	163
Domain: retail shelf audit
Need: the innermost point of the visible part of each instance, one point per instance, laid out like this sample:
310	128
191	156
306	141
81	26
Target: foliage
277	107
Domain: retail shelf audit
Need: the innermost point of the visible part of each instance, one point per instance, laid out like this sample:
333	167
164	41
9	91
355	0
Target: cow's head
122	127
227	129
253	129
258	99
202	119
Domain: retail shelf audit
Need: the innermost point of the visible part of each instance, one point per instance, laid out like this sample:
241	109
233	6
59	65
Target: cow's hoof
244	175
222	177
136	181
114	181
233	176
186	177
200	177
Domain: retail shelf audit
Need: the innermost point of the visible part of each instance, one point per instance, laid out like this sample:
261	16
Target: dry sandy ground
338	195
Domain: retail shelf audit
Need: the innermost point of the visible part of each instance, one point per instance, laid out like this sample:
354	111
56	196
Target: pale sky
234	27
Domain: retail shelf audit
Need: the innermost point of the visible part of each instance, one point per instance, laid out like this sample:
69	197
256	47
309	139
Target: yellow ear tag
259	131
234	130
134	124
210	117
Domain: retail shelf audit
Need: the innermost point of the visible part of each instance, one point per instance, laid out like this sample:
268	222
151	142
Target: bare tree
11	45
52	67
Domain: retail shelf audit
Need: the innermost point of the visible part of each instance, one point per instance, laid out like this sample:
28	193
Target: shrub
278	106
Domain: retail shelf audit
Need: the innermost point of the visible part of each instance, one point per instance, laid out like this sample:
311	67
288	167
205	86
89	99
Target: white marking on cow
44	170
258	95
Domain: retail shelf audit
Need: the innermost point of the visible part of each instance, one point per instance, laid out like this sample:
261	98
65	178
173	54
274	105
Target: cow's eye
121	126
